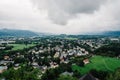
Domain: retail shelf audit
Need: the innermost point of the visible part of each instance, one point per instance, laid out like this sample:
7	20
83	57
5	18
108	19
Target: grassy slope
70	38
99	63
21	46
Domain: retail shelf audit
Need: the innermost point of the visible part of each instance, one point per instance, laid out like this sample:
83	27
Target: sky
60	16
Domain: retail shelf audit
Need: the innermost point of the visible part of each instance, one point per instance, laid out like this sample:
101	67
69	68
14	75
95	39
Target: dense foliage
24	73
112	50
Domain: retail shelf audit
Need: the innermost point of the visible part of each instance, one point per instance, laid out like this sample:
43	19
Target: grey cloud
74	16
60	11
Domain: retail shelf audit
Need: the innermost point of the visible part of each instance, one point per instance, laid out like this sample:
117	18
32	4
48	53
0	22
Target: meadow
20	46
99	63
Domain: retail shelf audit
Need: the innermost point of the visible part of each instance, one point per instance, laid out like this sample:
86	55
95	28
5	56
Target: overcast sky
60	16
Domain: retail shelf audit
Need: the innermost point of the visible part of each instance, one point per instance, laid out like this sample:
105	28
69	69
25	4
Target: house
114	40
56	54
44	68
6	57
5	62
54	65
3	68
86	61
16	66
79	53
35	65
63	55
2	48
88	77
62	60
67	73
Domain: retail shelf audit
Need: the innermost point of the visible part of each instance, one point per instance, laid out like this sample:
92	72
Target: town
53	56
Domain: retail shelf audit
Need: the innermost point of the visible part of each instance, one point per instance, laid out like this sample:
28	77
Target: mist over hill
27	33
112	33
17	33
105	33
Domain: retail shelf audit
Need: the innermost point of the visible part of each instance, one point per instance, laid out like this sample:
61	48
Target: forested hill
16	33
112	33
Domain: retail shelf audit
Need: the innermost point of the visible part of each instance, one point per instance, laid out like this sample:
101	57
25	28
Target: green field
20	46
70	38
99	63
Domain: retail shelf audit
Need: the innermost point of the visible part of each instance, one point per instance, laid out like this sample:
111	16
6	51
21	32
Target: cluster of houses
61	52
4	63
71	52
115	40
3	43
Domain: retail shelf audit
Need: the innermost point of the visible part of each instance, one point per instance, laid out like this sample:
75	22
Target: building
3	68
86	61
88	77
6	57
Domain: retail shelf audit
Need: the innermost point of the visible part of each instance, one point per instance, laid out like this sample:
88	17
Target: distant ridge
16	33
111	33
105	33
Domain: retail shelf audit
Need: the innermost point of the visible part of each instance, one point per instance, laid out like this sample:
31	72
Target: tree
10	65
49	75
26	72
19	60
99	74
112	50
76	74
114	76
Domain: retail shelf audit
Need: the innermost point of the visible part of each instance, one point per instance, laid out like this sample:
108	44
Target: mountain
17	33
111	33
105	33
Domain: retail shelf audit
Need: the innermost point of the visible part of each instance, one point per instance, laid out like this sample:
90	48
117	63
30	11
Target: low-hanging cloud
60	16
60	11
